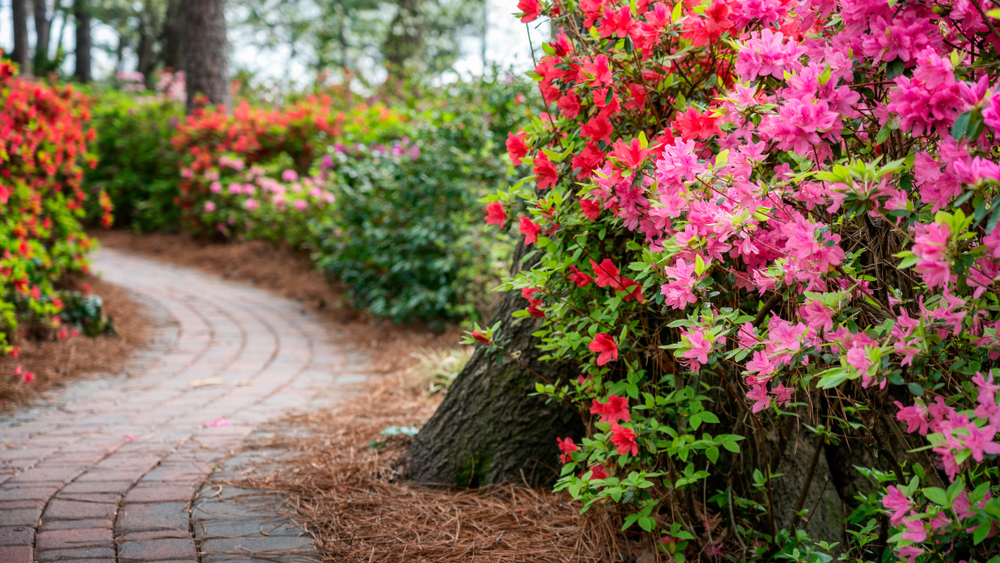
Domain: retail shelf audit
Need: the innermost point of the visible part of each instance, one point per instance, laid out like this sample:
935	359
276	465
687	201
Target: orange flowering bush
43	146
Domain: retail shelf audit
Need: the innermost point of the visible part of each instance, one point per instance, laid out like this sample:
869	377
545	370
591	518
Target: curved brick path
75	486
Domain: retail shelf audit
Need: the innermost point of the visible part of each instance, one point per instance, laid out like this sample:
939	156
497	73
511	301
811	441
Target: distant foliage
137	167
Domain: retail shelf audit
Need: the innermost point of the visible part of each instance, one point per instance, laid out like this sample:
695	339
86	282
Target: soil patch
54	362
290	274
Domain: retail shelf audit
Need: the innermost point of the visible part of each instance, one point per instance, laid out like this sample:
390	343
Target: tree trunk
148	30
205	52
43	25
81	12
488	429
173	37
19	10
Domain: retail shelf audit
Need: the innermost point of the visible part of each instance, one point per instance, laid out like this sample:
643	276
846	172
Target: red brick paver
109	474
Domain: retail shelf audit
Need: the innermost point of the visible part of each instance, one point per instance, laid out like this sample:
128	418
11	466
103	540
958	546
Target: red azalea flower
516	147
530	230
615	409
530	10
480	337
566	447
591	208
546	172
607	273
632	155
597	472
495	214
624	439
605	346
581	279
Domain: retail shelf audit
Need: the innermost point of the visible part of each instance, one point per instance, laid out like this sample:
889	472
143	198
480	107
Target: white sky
507	41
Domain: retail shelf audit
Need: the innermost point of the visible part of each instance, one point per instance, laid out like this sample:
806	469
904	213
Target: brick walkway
107	472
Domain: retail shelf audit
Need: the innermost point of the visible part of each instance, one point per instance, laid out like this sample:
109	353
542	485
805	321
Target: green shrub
137	167
407	237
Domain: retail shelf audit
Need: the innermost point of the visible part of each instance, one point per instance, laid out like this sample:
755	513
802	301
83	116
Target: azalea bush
43	151
766	241
268	203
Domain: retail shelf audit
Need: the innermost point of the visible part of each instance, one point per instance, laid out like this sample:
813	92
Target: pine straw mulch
351	498
55	362
290	274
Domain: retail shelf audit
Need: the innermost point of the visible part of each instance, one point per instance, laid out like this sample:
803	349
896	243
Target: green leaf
712	454
678	10
981	532
960	126
916	388
937	496
707	416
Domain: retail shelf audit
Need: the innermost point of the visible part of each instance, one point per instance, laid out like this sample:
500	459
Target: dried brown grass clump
290	274
55	362
358	509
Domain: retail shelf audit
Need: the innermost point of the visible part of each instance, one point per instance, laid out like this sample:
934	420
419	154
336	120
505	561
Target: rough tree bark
43	25
205	52
488	429
173	36
81	13
19	12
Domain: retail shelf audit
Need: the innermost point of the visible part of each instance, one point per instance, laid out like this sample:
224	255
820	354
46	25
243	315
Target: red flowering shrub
298	133
43	145
763	226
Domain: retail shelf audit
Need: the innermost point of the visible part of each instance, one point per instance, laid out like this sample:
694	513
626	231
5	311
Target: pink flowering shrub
254	202
768	229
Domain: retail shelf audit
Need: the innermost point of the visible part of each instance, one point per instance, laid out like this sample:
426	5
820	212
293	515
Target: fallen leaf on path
204	382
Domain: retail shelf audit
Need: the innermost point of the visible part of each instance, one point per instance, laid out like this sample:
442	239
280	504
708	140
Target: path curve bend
107	470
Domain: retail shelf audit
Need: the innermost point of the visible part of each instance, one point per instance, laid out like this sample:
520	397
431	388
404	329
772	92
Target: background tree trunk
488	429
205	51
173	37
43	25
19	11
81	12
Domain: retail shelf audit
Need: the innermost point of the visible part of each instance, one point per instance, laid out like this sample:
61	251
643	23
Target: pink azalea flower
980	441
782	394
700	347
915	417
758	394
251	205
898	503
209	206
915	530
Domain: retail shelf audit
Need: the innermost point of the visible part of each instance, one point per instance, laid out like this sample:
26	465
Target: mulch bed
54	362
350	497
